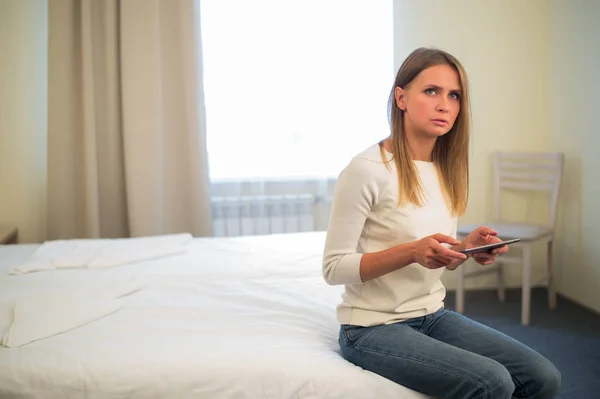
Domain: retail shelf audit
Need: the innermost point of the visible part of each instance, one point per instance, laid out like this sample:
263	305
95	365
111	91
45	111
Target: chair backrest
529	171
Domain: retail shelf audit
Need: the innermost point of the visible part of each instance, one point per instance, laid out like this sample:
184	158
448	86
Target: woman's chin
435	133
440	130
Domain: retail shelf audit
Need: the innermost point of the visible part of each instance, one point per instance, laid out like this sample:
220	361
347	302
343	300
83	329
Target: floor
569	335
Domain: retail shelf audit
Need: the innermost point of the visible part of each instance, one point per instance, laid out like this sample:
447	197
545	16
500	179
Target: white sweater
365	217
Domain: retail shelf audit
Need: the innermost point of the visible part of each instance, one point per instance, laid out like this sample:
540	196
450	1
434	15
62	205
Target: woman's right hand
430	253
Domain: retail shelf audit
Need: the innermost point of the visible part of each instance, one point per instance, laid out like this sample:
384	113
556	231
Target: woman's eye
455	96
430	91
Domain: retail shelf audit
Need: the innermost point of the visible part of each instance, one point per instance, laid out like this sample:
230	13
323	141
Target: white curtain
126	134
293	91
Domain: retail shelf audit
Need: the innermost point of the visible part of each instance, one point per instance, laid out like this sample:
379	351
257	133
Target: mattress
244	317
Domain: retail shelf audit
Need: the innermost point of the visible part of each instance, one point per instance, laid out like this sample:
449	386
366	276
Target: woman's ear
400	98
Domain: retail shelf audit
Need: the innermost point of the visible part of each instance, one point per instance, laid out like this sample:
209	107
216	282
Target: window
294	89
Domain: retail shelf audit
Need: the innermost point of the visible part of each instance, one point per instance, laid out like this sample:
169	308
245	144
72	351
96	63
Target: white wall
533	68
503	46
23	88
574	90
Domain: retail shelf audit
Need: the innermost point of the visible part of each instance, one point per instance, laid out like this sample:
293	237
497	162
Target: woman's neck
420	148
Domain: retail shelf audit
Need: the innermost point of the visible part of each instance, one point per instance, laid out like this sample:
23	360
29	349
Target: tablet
489	247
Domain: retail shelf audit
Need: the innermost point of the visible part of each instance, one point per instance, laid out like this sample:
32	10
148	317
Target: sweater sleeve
355	195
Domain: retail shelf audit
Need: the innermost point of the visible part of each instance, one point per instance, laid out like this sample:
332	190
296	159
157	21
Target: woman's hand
484	236
430	253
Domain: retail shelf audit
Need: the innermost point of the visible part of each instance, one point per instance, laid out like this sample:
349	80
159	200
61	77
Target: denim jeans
447	355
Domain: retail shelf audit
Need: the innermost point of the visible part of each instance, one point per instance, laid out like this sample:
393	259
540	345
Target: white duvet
245	317
102	253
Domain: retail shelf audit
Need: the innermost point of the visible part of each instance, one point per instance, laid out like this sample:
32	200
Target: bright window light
294	89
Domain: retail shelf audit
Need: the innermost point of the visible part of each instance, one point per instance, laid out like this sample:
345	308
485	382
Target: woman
391	236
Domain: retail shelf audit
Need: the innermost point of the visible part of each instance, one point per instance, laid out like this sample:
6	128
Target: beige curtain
126	133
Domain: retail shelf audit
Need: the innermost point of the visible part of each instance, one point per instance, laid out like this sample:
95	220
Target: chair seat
506	231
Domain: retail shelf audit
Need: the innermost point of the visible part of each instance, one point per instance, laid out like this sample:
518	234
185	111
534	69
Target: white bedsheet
101	253
244	317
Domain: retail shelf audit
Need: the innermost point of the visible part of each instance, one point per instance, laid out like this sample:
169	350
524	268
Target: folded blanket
100	253
44	315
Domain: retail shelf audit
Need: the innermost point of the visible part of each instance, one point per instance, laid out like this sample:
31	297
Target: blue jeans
447	355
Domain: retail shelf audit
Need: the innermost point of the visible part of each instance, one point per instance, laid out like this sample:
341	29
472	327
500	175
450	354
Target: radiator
266	214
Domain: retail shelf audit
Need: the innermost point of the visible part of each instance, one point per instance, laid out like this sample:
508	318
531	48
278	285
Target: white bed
246	317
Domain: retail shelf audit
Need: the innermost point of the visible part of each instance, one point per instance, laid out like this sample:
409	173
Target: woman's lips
439	122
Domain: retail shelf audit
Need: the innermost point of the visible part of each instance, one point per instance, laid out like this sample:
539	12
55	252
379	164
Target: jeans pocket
354	333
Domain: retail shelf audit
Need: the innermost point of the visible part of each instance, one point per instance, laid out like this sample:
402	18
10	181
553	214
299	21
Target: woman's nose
443	106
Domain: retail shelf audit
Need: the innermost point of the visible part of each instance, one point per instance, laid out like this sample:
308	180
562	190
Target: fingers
484	231
503	249
441	238
435	261
484	258
444	260
479	258
484	262
432	254
448	253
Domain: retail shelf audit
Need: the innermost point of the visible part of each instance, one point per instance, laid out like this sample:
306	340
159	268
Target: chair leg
526	286
501	292
551	277
460	290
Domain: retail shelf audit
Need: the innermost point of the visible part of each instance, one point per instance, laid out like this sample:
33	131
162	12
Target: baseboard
579	303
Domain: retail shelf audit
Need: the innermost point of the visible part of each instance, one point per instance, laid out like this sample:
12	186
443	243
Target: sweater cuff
348	270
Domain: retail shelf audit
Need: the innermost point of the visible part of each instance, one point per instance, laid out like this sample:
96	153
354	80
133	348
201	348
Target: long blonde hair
450	152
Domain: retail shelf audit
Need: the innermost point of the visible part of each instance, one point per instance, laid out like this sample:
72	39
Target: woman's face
431	102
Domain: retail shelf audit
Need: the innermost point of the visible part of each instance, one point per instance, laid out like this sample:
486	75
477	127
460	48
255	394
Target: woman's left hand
484	236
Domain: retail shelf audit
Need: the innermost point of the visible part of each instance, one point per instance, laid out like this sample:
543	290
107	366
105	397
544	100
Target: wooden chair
520	171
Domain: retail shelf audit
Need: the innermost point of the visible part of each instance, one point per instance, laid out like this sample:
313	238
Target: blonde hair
451	151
